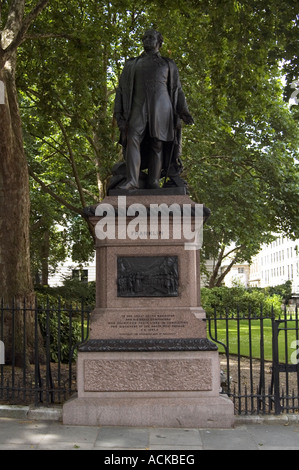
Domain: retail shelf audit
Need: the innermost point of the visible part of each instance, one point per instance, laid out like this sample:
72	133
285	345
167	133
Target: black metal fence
259	356
39	344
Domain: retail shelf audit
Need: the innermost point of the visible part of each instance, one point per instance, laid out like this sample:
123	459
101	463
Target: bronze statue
149	106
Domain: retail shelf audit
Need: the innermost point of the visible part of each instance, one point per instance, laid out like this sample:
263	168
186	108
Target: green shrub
234	300
72	290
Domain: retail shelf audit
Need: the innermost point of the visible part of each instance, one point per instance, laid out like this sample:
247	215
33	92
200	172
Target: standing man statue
149	106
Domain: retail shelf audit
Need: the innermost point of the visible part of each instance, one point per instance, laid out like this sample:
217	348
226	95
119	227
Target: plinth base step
207	412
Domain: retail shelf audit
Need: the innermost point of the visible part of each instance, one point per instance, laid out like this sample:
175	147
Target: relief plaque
147	276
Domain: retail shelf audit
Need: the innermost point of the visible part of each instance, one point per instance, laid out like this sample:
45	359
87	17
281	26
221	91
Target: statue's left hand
188	119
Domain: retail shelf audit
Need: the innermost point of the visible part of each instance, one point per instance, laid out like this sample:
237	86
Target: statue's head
152	38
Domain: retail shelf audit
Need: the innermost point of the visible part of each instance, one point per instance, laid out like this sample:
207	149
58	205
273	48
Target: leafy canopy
240	158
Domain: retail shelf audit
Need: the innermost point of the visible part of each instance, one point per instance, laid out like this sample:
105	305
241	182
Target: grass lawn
252	328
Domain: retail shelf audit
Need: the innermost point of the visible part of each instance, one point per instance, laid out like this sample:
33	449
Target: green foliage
238	300
72	291
283	290
240	157
61	341
60	327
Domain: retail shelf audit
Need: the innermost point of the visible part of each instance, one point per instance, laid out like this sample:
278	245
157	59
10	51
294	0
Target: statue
149	106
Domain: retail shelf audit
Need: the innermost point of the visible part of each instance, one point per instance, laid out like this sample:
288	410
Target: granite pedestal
148	361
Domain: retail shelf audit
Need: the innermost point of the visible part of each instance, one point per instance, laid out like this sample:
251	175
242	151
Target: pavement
26	428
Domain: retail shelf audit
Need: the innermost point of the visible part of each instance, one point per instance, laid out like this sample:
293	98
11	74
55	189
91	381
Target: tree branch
86	191
232	250
26	23
222	276
73	163
61	200
47	36
216	268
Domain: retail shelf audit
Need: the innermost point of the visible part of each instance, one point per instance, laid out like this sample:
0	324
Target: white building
275	264
238	275
83	272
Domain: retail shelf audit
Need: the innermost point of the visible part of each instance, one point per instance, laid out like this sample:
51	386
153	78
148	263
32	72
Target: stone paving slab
25	434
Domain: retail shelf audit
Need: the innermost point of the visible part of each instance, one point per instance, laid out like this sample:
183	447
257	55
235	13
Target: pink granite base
176	412
101	374
168	389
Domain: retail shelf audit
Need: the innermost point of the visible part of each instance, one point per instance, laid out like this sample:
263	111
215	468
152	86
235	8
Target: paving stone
169	436
122	437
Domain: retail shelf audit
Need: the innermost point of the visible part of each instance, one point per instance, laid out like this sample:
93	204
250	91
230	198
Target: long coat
123	107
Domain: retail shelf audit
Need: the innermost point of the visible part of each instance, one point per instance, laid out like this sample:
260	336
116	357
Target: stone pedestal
148	361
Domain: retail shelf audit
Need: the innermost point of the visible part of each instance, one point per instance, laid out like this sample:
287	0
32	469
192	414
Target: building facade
68	269
275	264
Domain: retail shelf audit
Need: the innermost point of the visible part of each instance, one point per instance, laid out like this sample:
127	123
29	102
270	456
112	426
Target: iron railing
259	355
259	360
40	344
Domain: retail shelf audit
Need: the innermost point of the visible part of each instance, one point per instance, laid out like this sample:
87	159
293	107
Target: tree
241	159
15	272
240	155
66	95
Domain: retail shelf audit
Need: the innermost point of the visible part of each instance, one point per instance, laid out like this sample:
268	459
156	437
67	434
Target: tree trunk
212	281
15	276
15	273
217	278
15	270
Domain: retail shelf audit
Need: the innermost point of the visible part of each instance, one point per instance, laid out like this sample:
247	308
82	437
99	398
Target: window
76	274
80	275
240	270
